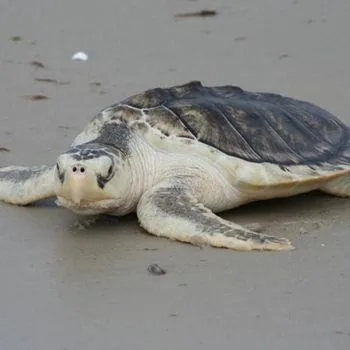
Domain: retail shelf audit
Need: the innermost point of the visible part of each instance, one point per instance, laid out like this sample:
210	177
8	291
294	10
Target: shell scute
167	122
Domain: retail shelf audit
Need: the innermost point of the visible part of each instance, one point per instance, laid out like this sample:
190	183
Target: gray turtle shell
257	127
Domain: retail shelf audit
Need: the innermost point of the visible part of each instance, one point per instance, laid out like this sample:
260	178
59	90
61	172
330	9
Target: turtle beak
78	183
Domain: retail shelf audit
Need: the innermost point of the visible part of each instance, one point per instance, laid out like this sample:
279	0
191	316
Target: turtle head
91	179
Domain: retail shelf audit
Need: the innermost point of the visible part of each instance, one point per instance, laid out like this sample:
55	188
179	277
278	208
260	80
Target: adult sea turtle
178	155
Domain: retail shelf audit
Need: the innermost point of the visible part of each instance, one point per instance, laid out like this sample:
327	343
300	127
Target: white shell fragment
80	56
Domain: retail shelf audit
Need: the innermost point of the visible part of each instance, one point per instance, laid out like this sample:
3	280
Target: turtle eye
110	169
58	167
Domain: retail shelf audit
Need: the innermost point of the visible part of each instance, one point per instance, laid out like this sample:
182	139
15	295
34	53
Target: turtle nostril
79	169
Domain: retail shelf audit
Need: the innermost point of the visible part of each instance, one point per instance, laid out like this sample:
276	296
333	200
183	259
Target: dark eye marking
60	175
102	180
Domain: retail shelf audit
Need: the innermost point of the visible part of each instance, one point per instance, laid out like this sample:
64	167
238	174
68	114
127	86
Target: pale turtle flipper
338	187
24	185
172	211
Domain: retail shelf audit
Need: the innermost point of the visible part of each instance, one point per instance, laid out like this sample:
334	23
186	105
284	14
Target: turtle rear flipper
24	185
338	187
171	211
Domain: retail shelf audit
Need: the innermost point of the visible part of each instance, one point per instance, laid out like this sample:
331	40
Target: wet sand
62	287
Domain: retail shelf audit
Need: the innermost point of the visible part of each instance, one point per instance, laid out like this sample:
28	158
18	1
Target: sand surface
62	287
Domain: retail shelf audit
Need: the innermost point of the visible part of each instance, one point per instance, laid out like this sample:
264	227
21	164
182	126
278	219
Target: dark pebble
156	270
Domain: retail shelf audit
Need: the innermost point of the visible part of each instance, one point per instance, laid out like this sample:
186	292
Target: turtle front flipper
24	185
172	211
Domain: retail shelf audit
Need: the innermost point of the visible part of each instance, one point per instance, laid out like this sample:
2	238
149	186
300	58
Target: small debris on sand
203	13
80	56
155	269
37	64
4	149
52	81
95	83
16	38
36	97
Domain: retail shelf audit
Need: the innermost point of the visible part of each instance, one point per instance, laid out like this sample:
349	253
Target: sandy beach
63	286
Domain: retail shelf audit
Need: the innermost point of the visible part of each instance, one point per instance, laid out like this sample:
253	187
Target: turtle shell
257	127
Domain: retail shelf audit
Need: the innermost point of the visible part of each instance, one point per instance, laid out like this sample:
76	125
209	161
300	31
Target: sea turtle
178	155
